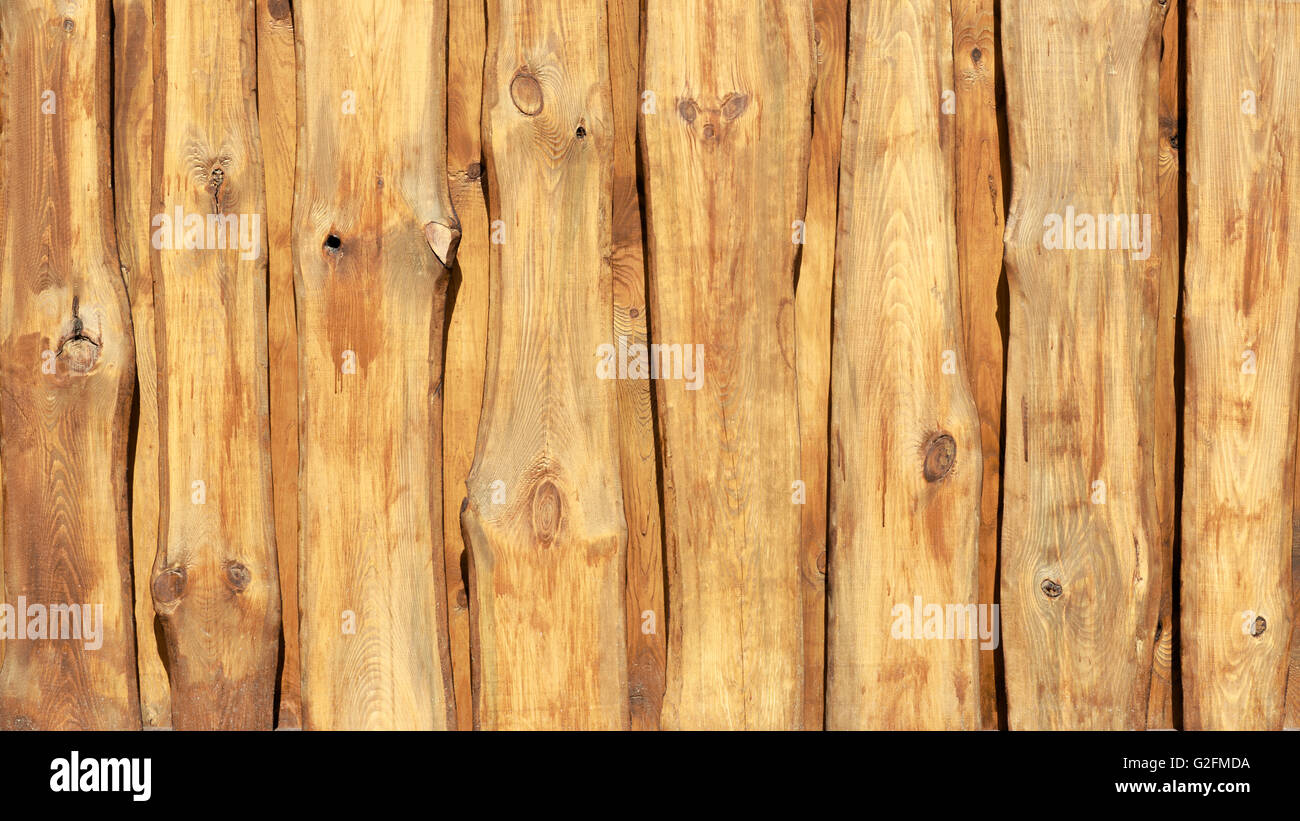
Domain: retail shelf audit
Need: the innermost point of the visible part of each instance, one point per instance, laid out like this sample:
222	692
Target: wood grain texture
548	554
647	636
980	225
1241	301
1292	719
466	354
1081	573
277	113
905	435
725	164
215	583
813	337
68	373
3	216
133	201
374	233
1161	708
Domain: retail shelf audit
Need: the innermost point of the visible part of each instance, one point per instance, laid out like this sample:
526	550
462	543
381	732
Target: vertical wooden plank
466	355
277	112
1160	702
67	365
647	644
544	518
905	433
1292	719
1080	535
813	337
3	216
133	200
979	264
215	583
726	164
374	234
1241	302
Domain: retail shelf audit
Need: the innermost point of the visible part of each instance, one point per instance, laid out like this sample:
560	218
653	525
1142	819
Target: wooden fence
678	364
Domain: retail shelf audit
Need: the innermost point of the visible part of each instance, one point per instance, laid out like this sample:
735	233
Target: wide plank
1081	569
67	367
544	516
725	162
1241	303
905	446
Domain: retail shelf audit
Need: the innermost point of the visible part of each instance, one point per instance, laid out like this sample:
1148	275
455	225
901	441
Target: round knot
940	454
526	93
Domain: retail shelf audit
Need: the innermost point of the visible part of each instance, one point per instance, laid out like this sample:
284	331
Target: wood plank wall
649	364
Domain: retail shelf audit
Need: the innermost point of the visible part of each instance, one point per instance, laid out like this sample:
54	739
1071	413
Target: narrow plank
980	225
277	113
905	433
67	365
1080	534
813	338
215	584
1161	707
1242	297
726	165
133	201
3	87
374	234
466	354
544	517
647	644
1292	719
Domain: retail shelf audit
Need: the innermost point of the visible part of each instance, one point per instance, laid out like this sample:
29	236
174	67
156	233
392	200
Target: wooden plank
544	518
906	460
813	337
1080	534
725	164
1292	719
466	355
133	205
3	215
1161	707
67	365
215	583
647	644
277	120
980	225
374	234
1242	297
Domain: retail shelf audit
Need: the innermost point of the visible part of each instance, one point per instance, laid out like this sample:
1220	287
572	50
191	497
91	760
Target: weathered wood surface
457	205
1242	297
1292	718
1160	701
215	583
725	165
374	233
905	441
647	637
544	515
133	208
466	353
1081	563
980	225
277	119
813	337
67	369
